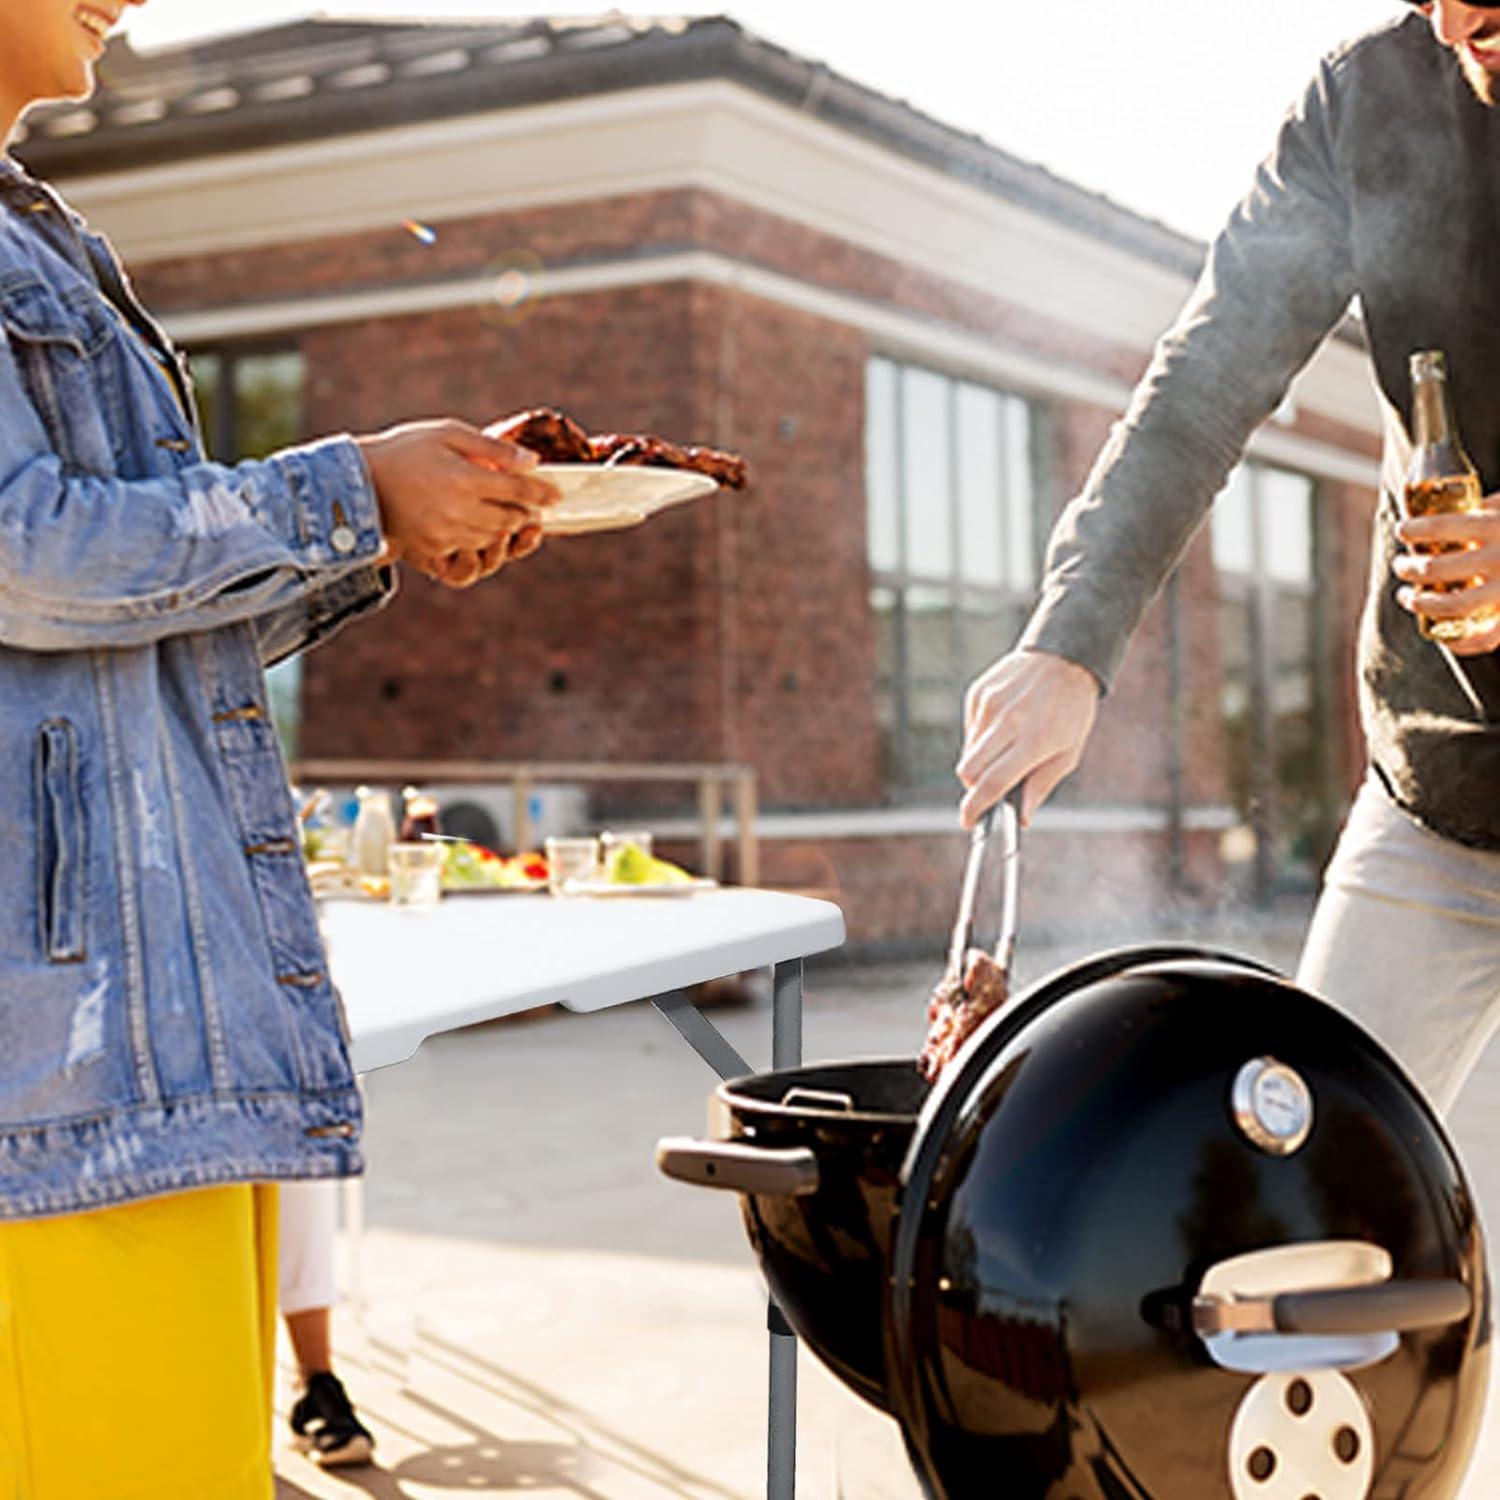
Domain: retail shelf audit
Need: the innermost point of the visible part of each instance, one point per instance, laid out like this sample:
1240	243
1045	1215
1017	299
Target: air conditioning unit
486	812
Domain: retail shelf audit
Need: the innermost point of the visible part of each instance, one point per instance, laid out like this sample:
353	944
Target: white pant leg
309	1221
1406	938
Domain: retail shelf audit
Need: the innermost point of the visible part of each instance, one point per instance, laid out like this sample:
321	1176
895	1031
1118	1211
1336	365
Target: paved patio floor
533	1309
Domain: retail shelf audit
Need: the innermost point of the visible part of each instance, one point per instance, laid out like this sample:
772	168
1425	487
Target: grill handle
791	1172
800	1098
1386	1307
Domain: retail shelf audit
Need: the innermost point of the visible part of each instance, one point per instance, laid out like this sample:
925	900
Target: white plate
649	888
596	497
529	889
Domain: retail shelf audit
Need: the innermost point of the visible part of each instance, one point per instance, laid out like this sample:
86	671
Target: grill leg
781	1436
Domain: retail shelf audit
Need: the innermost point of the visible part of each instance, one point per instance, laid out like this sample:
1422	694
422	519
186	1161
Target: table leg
786	1014
786	1052
701	1034
781	1435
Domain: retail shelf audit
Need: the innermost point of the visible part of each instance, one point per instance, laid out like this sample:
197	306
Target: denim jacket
166	1014
1384	185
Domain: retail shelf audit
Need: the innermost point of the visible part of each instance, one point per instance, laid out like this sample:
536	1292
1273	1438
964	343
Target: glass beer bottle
1441	477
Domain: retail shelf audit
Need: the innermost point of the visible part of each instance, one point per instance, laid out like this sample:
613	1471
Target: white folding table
409	974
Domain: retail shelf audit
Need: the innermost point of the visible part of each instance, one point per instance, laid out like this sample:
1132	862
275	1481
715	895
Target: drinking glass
612	839
416	872
571	859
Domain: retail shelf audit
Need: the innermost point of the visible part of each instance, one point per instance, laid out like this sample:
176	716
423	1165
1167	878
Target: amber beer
1441	478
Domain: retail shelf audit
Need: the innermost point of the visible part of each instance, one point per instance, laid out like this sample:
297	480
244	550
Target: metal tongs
1000	827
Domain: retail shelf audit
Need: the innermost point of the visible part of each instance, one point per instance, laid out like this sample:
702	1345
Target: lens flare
420	231
514	287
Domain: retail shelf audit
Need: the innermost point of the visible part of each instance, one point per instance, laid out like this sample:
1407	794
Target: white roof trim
714	135
925	822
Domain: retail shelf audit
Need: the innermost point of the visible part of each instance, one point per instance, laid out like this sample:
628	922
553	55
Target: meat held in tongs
976	983
958	1005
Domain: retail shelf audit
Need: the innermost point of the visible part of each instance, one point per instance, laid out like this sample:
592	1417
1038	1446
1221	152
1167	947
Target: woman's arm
87	560
93	561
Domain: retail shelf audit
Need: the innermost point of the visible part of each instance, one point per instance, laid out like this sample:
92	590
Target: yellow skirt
137	1350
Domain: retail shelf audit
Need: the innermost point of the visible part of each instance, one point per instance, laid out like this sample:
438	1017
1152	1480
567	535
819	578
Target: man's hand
446	488
1459	583
1027	720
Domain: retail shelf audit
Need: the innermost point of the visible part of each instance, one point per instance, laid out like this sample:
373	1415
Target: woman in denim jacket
168	1031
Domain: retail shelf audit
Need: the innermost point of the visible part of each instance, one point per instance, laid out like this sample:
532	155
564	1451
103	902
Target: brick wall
732	629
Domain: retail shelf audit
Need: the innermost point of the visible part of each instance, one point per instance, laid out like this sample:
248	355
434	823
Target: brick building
919	343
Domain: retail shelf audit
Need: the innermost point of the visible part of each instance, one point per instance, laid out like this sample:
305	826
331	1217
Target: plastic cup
614	839
571	860
416	872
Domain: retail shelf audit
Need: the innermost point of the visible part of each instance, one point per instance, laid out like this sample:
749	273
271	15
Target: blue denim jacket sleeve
88	560
1278	278
322	611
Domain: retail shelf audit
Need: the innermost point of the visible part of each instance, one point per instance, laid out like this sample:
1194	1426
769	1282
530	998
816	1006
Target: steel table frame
786	1052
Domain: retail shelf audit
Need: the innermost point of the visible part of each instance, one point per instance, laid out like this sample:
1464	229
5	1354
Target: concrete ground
532	1308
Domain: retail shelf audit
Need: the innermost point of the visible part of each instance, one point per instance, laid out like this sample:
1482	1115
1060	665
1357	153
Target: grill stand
786	1052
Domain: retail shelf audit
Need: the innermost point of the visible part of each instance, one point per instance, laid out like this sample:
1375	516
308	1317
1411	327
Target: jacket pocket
60	853
64	343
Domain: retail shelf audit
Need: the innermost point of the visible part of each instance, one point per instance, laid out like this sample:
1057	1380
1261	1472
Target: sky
1163	105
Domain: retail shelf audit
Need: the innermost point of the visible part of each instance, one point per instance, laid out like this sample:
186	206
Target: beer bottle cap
1426	363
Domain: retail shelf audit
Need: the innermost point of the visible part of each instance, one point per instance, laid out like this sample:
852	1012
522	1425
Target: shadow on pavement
489	1465
483	1466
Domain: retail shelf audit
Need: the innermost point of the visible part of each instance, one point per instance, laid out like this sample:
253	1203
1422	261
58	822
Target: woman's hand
461	570
1460	582
1027	720
445	488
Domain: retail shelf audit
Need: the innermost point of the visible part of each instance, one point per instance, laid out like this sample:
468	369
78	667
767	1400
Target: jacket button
343	539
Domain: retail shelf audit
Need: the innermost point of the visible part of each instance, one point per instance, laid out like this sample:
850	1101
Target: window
953	537
250	402
1274	713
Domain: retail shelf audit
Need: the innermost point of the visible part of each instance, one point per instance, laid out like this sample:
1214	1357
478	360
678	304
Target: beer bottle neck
1432	412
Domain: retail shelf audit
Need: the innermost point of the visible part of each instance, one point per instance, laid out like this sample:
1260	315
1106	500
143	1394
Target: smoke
1084	893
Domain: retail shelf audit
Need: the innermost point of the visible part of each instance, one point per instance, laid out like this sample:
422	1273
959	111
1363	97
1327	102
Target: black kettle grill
1168	1228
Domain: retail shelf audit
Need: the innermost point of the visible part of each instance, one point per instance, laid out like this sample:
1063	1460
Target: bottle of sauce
419	816
374	832
1441	478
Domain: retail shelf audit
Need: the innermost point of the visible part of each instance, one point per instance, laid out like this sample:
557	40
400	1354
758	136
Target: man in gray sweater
1384	185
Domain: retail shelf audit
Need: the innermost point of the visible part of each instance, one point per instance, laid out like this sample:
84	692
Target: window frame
223	442
1257	593
1007	602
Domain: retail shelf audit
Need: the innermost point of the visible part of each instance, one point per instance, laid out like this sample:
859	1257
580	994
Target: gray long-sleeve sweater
1384	184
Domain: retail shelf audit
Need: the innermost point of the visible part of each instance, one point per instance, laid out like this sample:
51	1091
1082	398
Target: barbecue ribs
556	438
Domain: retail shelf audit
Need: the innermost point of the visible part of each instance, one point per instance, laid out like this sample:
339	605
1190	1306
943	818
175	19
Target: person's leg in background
324	1423
1406	938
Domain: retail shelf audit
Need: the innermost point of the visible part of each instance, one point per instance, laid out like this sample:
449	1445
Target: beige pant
309	1220
1406	938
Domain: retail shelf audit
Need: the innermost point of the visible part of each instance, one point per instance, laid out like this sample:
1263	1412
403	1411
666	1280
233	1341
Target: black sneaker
324	1425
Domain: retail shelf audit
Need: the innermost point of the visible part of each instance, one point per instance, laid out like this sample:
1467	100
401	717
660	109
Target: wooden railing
524	776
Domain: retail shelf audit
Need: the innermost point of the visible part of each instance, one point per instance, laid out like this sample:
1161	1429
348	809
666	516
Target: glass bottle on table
374	832
1441	477
419	815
